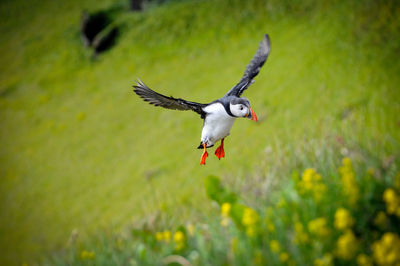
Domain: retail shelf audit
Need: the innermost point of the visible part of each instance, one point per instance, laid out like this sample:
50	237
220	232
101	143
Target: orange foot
220	150
205	155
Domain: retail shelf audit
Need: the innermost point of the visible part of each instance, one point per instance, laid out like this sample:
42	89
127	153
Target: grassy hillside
81	151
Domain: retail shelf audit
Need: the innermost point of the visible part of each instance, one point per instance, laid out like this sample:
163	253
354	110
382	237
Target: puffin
218	115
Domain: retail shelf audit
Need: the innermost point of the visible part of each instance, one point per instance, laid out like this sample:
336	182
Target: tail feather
201	146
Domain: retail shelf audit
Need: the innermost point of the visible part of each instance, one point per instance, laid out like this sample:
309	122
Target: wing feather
158	99
253	68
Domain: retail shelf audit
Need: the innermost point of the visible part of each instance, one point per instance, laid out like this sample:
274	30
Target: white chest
217	124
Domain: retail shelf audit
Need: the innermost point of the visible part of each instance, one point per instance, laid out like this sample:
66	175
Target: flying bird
219	115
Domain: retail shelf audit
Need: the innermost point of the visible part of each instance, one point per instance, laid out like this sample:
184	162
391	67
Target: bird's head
240	107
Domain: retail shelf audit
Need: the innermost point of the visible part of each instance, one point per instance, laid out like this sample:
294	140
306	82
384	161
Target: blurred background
81	153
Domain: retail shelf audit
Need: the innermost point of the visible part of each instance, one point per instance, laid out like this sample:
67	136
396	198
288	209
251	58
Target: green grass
81	150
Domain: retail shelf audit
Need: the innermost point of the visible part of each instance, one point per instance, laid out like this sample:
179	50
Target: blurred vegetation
81	154
347	219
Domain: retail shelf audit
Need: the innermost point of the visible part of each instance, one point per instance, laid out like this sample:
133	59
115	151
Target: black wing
253	68
158	99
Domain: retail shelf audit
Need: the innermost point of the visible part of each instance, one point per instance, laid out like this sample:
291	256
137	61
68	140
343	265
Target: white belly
217	124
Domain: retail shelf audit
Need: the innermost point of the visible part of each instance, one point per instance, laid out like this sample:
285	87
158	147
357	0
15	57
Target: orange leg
205	154
220	150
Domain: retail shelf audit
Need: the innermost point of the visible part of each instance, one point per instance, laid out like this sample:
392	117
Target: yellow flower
343	219
306	183
392	201
164	236
159	236
179	239
326	260
308	174
346	162
350	186
250	217
249	220
301	236
364	260
347	245
87	255
225	209
274	246
386	251
389	195
311	183
318	227
167	236
284	257
179	236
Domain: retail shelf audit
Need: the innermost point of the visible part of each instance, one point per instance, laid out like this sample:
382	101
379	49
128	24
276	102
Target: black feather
253	68
158	99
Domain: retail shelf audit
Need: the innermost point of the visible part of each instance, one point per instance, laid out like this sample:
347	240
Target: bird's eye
241	107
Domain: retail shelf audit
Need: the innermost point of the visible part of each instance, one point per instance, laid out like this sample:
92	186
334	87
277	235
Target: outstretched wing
252	69
158	99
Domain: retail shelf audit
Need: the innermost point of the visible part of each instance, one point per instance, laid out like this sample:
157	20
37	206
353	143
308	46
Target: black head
240	107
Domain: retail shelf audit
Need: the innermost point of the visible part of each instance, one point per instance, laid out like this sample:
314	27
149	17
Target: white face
239	110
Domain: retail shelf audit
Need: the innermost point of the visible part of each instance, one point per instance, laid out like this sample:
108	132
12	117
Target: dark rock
92	25
105	39
136	5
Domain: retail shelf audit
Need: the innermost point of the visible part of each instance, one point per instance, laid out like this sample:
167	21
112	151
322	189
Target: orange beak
253	115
